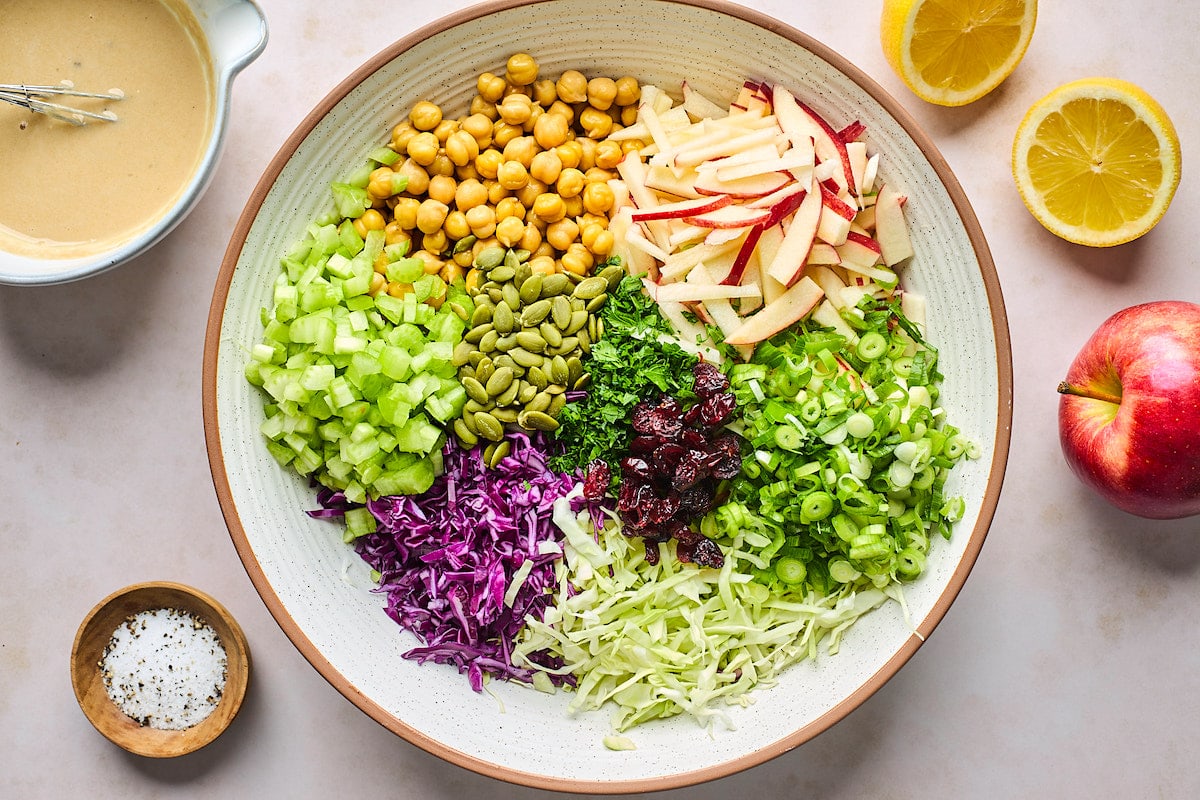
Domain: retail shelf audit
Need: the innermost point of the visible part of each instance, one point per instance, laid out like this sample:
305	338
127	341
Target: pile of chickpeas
527	168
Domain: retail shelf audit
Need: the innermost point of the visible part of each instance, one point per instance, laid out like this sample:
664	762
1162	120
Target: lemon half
953	52
1097	161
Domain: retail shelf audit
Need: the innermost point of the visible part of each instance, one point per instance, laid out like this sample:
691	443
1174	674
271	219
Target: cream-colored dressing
69	191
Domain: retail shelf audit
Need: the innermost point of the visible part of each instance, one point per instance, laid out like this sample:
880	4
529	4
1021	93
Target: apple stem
1068	388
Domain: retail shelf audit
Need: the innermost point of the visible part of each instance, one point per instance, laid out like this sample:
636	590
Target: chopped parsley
636	359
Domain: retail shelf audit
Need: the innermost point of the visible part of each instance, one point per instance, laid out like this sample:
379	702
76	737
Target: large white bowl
235	33
317	588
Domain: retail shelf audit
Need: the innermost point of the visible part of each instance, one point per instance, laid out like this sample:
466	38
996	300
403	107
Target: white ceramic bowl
235	32
318	589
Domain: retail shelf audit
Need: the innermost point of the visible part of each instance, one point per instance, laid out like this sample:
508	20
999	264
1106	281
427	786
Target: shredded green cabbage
669	638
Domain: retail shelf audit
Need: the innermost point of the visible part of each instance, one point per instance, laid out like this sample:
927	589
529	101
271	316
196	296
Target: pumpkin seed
502	273
484	369
499	453
584	380
489	257
556	405
574	369
537	420
534	314
475	358
590	288
526	392
500	380
462	354
596	303
554	284
488	342
540	402
460	311
525	358
531	289
475	334
502	318
551	334
475	406
505	415
561	310
464	244
533	342
578	320
511	260
464	434
511	295
508	396
506	343
488	426
475	390
558	370
613	276
537	377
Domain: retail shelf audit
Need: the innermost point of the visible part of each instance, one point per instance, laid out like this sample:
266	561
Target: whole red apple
1129	415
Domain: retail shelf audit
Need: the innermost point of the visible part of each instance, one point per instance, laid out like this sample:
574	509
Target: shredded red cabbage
447	557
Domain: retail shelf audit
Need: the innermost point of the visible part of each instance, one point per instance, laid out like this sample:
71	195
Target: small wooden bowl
94	635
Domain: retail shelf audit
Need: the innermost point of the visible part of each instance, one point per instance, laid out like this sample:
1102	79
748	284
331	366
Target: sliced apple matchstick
732	208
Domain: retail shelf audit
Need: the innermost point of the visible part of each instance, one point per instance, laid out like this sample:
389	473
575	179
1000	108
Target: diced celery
359	522
405	270
351	201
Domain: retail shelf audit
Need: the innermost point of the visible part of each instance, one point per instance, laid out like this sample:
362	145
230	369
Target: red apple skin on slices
1129	411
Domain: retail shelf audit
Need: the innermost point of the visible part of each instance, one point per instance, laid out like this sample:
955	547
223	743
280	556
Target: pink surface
1066	667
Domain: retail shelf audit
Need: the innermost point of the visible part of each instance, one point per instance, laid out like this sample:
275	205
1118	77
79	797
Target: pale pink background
1068	667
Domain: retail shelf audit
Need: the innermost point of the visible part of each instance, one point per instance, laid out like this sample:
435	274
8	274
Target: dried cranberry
727	468
634	467
709	379
666	456
716	409
633	494
707	554
727	444
596	479
693	439
663	509
663	419
643	445
697	500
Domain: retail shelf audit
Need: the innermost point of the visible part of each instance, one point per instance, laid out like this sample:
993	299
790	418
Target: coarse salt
164	668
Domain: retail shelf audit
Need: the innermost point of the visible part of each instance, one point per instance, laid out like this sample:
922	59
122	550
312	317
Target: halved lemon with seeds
1097	161
953	52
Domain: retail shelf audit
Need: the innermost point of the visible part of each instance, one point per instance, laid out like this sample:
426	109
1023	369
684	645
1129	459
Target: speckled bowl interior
318	589
235	33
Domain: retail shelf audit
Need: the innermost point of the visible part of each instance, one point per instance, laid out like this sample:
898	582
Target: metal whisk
33	98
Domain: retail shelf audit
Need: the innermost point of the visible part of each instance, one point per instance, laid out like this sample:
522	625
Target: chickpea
544	93
482	220
510	207
570	153
418	178
542	265
496	191
551	130
629	92
401	135
531	239
578	259
423	148
503	133
381	183
394	233
425	116
528	194
599	175
431	215
483	244
405	211
516	109
512	89
536	112
587	158
451	273
466	172
574	206
547	250
484	108
632	145
456	226
444	129
629	115
378	284
463	259
598	198
596	124
490	87
601	92
609	154
435	242
572	86
549	207
442	189
522	149
398	290
562	234
472	281
570	182
546	166
509	231
442	165
431	263
462	148
488	163
512	175
371	220
521	69
469	193
479	126
588	218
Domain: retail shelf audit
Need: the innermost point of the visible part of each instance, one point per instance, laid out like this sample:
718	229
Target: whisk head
34	99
